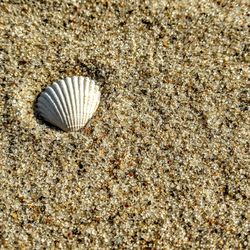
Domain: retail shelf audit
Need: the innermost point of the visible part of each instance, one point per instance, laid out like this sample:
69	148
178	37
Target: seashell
69	103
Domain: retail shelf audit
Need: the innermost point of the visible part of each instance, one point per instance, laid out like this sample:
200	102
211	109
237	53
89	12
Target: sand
164	163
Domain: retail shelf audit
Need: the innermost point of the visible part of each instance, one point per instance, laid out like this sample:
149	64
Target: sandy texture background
164	163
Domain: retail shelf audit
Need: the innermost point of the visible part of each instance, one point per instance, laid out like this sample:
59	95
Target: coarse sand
164	163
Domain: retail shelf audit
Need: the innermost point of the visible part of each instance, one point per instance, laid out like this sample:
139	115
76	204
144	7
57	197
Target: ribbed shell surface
69	103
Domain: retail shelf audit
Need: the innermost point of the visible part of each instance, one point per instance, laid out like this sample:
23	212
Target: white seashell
69	103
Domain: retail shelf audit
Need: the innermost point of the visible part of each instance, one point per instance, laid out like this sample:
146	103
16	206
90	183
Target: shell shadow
39	119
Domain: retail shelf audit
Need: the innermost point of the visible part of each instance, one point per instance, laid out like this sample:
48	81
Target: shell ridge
48	103
66	95
84	101
81	82
78	103
57	86
49	116
75	100
88	101
71	103
57	103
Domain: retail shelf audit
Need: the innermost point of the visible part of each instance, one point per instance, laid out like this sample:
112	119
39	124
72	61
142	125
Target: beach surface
164	162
